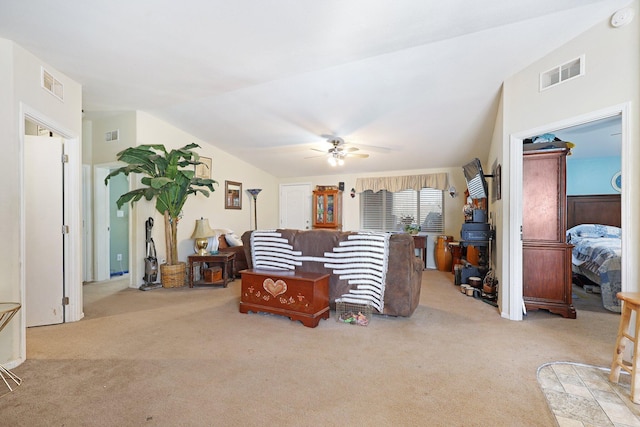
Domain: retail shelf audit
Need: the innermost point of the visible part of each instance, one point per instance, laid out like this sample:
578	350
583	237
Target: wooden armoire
546	263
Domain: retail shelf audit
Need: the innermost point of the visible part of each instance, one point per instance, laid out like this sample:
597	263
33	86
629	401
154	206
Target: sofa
310	249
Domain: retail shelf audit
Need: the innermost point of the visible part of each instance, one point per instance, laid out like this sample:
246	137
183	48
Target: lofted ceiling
413	83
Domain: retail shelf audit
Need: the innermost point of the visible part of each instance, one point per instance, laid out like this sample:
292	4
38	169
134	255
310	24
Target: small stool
630	302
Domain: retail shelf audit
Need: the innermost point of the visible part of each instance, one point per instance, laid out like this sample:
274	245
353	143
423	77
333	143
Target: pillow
222	231
213	244
233	240
591	231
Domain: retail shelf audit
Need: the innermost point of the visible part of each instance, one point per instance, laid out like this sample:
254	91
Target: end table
226	260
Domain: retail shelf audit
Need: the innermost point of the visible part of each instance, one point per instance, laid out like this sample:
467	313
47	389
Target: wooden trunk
298	295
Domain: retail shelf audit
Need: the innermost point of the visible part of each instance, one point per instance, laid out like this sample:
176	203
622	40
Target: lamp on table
201	234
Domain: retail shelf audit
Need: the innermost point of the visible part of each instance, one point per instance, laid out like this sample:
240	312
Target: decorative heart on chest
274	288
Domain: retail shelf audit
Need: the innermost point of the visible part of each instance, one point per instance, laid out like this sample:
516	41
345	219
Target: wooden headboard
595	209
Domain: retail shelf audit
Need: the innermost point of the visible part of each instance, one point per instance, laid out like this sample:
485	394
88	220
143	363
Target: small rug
582	395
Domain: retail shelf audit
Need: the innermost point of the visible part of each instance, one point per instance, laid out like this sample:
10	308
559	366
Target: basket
172	276
354	314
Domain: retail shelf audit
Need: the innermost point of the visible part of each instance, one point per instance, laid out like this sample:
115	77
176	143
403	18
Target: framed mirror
232	195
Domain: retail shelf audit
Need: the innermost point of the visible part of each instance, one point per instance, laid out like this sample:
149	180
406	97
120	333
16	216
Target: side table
420	242
7	311
225	260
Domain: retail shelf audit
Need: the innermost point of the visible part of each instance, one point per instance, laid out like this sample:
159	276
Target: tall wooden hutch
327	208
546	263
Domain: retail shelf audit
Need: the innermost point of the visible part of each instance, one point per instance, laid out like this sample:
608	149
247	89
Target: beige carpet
187	357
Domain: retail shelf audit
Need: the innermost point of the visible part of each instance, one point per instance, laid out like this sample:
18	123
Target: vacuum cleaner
151	261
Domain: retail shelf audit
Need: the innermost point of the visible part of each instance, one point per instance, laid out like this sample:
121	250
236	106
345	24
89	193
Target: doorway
515	304
58	266
111	226
295	206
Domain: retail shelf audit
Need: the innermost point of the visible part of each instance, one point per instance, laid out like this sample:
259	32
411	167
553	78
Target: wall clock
616	181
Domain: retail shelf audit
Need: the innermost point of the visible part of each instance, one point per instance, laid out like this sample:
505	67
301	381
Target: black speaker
341	186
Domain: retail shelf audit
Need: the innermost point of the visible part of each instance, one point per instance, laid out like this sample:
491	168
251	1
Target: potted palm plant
169	178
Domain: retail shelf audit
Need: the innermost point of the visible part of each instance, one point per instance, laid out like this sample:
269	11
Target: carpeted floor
581	395
187	357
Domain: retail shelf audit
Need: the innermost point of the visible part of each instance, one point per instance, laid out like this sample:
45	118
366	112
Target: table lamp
201	234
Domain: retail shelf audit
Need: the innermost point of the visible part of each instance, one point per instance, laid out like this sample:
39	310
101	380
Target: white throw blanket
361	259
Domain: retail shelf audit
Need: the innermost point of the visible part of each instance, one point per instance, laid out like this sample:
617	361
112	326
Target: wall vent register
562	73
51	84
112	135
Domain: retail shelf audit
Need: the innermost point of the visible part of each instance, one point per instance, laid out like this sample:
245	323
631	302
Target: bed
593	227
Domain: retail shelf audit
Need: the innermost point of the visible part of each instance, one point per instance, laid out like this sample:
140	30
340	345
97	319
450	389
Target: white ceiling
413	83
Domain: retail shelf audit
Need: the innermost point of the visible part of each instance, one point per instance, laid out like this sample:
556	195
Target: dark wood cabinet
327	209
546	262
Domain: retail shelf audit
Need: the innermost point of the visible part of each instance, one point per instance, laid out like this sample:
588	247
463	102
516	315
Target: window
386	211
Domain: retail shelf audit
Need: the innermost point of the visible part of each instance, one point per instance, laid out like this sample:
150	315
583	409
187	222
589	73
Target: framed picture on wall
203	170
616	181
232	195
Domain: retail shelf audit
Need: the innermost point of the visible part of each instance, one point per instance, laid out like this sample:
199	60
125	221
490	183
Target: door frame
515	292
73	215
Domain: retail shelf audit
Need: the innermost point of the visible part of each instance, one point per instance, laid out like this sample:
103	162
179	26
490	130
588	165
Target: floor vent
562	73
112	135
52	85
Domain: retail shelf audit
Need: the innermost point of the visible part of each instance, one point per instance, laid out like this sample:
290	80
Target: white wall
453	217
151	130
612	57
20	86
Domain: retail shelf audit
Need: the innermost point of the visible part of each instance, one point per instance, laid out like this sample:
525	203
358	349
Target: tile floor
581	395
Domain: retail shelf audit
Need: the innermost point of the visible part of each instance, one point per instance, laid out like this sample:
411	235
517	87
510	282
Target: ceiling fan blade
361	156
315	157
320	151
351	149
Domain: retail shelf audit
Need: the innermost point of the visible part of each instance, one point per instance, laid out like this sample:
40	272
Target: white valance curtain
398	183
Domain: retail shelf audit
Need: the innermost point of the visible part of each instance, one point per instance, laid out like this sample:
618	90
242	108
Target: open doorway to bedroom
572	216
593	199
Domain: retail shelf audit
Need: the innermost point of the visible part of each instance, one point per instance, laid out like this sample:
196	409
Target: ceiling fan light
332	161
340	161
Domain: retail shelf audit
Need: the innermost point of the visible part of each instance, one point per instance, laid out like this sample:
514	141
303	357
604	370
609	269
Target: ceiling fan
338	151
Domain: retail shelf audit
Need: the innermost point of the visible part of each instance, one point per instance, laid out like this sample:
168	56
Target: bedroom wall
611	79
591	175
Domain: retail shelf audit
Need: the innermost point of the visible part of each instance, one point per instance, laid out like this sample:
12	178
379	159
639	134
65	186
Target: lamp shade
202	230
254	191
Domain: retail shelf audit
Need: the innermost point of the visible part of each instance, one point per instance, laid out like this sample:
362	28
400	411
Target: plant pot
173	276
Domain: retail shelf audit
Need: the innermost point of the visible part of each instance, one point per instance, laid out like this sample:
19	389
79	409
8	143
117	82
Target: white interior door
102	265
87	225
44	246
295	206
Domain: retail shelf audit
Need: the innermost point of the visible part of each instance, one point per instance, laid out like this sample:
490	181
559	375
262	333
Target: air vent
113	135
52	85
562	73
